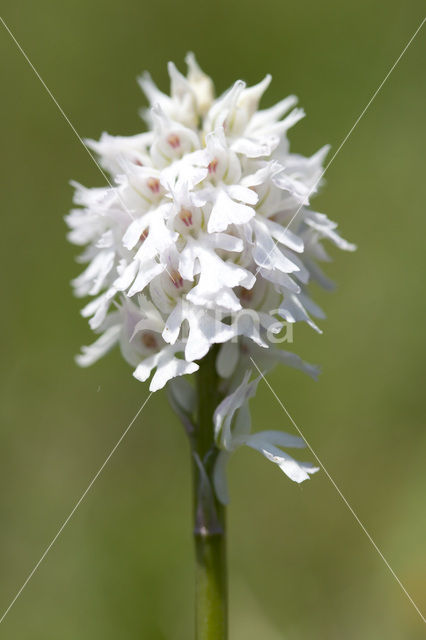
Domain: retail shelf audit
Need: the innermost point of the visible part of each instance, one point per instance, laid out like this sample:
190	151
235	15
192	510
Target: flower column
209	514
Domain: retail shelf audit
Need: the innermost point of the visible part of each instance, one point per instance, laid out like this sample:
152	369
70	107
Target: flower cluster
205	236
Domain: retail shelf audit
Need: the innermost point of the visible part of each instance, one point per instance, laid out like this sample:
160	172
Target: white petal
226	242
133	233
143	370
173	324
296	471
281	279
225	411
169	370
227	359
98	308
147	272
284	236
246	323
99	348
266	254
127	276
253	148
293	311
226	211
243	194
204	330
273	114
328	232
167	367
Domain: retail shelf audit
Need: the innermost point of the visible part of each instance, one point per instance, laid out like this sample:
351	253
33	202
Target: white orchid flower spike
205	243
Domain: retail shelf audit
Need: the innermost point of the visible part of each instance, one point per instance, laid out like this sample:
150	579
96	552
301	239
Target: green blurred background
300	566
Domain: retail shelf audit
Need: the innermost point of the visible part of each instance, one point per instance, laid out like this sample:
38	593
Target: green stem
209	514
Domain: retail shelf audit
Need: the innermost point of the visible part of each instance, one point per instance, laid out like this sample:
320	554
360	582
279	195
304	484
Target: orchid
201	218
199	254
232	430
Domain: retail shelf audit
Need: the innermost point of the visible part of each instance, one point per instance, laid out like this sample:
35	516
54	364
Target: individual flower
232	423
